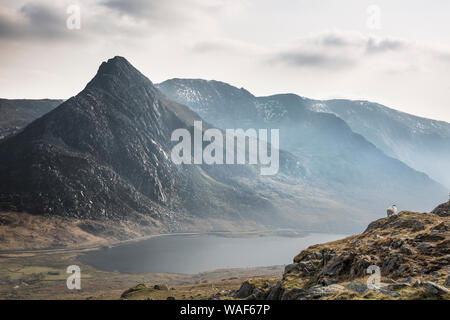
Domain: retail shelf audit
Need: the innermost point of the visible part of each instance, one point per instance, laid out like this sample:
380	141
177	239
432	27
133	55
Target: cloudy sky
393	52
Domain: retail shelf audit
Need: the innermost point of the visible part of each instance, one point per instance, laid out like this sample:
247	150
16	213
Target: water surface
192	254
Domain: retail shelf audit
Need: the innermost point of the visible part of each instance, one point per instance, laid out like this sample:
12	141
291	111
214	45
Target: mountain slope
16	114
410	250
104	154
335	158
421	143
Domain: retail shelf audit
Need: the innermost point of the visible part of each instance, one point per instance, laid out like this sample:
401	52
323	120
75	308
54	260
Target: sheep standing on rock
391	210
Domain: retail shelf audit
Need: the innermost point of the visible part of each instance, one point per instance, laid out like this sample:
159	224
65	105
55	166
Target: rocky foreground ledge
411	250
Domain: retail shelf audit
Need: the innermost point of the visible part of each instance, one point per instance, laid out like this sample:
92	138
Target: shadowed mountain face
336	158
16	114
105	154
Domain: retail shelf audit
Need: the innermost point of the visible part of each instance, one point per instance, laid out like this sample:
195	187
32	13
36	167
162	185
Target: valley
43	276
90	182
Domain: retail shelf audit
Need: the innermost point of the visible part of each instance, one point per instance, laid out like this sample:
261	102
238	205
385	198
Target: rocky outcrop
442	210
245	291
435	288
410	250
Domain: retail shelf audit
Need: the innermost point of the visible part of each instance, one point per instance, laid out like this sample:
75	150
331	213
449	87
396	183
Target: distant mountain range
105	154
17	113
422	144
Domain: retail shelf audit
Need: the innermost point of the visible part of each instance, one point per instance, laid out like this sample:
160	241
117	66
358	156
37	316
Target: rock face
245	291
340	269
358	287
435	288
447	282
105	154
443	210
16	114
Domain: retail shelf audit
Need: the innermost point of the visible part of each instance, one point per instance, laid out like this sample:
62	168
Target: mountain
217	102
421	143
104	154
16	114
335	158
410	251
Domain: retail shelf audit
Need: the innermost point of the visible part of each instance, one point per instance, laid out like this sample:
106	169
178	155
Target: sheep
391	210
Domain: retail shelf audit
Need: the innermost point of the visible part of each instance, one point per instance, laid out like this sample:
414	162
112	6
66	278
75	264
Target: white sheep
391	210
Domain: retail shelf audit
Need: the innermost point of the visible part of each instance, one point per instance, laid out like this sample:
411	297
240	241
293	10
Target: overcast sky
395	52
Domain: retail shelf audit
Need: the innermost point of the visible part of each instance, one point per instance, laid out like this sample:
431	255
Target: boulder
406	249
132	290
306	267
424	247
319	291
418	226
434	288
409	280
245	290
436	274
339	265
358	287
161	287
401	269
390	265
257	294
275	292
291	268
447	282
397	243
397	286
442	210
390	293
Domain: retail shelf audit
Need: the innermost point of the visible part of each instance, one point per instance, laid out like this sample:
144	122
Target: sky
396	53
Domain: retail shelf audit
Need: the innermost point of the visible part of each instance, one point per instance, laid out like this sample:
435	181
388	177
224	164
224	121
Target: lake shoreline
202	252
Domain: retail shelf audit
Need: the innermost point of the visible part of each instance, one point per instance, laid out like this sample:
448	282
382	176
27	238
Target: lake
190	254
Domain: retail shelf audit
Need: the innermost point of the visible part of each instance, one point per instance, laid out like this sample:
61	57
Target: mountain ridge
398	134
324	142
104	154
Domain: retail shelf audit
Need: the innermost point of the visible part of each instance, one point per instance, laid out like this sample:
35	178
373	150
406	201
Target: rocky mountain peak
118	77
105	154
